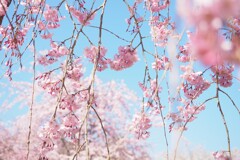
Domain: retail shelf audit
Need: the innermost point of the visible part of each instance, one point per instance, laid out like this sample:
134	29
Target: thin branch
222	115
226	128
33	87
185	124
96	60
230	100
86	135
32	100
104	131
107	30
79	149
164	126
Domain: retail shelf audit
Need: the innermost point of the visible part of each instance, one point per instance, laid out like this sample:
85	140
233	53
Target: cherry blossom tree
72	114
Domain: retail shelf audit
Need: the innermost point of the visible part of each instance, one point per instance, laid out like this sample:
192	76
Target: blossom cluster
48	134
195	84
32	3
51	56
75	70
162	63
208	44
184	115
67	126
152	91
53	87
51	17
69	102
140	125
14	37
93	55
125	58
82	16
160	31
223	74
221	155
70	126
46	34
157	5
184	55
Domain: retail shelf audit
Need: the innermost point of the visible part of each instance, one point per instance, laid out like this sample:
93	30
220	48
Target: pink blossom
47	145
83	17
41	25
153	90
207	11
160	32
47	36
207	43
83	95
56	52
92	54
69	102
69	126
184	55
45	60
224	73
221	155
51	15
62	50
75	71
184	115
52	25
70	121
161	63
156	6
138	1
17	39
53	87
205	46
195	84
141	123
51	56
48	134
32	2
3	31
146	92
25	29
51	130
125	58
234	25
